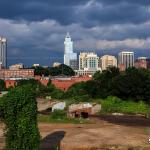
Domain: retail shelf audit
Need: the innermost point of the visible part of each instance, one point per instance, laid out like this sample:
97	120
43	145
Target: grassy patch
147	132
116	105
60	116
50	119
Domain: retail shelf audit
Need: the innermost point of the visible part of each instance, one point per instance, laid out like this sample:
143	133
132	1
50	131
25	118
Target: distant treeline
132	84
54	71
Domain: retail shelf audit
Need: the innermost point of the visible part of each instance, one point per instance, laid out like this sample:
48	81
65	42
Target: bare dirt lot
117	132
107	132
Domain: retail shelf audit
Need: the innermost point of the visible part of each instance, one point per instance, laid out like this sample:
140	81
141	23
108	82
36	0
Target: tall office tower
126	59
107	61
3	52
70	58
141	62
89	61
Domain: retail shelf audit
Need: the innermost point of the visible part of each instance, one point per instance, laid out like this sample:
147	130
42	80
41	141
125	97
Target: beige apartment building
107	61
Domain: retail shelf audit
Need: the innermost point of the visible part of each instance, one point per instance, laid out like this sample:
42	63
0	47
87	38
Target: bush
2	85
57	94
20	118
59	114
116	105
82	98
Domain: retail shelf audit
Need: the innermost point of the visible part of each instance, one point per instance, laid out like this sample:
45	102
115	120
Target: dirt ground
117	132
107	132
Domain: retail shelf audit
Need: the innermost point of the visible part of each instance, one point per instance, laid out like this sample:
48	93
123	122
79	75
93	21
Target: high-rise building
107	61
70	58
126	58
141	62
3	52
88	63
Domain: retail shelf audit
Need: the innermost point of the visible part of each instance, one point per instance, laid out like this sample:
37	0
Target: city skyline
69	56
36	30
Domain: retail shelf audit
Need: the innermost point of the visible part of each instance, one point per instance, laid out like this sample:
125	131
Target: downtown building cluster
87	63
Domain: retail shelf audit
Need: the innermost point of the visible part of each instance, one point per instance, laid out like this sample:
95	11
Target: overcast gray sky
35	29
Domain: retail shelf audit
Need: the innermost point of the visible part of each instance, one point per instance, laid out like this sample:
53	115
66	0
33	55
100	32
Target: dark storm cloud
35	29
135	2
40	10
87	12
117	14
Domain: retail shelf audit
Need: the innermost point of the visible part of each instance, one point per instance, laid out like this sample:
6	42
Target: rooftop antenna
68	35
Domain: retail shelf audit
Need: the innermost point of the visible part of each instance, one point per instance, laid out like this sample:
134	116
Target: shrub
58	114
114	104
57	94
82	98
2	85
20	118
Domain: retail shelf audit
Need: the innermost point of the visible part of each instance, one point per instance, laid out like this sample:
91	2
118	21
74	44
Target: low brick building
19	73
64	83
10	83
42	80
141	63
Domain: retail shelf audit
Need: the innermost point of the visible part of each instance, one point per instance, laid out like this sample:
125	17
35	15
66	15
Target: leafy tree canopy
61	70
2	85
54	71
20	118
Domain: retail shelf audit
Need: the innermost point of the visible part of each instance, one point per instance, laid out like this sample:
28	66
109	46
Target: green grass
116	105
147	132
49	119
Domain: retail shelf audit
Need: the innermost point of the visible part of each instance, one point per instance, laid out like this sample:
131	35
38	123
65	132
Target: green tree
57	94
76	90
61	70
32	82
103	84
2	85
133	83
20	118
41	71
108	74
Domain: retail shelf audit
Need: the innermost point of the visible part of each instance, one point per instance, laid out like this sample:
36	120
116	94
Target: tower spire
68	35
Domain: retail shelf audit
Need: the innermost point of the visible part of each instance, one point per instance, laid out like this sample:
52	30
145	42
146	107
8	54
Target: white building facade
70	58
88	63
3	52
126	58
